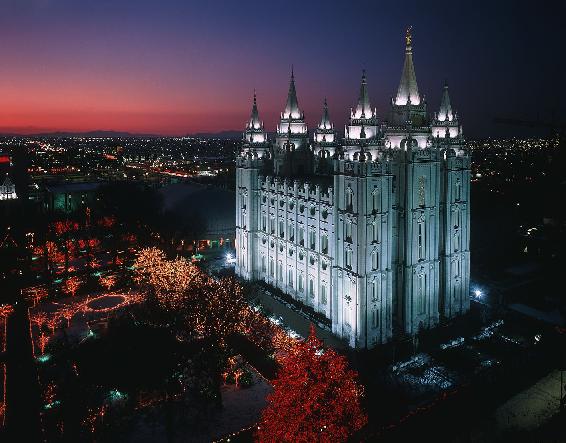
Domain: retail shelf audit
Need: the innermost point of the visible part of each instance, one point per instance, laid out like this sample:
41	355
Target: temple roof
292	107
254	122
408	89
363	109
325	122
445	111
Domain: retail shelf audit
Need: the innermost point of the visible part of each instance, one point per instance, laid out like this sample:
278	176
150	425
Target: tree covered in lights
316	397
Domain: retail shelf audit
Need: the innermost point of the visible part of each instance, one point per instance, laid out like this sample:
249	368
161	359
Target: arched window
374	318
422	190
375	200
373	289
301	284
421	290
349	199
290	278
421	240
323	297
456	218
348	231
375	231
374	260
324	244
312	239
456	268
348	258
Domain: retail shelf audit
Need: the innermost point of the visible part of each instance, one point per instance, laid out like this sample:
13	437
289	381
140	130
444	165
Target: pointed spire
408	91
363	109
325	132
254	122
292	107
408	38
254	133
445	112
325	122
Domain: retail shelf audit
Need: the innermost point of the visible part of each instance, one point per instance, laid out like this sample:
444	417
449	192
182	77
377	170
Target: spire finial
409	37
292	73
363	75
255	102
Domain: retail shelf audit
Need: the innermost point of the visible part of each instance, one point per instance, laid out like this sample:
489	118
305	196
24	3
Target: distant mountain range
223	135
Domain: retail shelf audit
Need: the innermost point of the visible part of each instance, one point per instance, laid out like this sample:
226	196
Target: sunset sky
176	66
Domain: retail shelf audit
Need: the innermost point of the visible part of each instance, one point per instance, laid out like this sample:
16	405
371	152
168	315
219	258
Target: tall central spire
408	92
363	109
292	107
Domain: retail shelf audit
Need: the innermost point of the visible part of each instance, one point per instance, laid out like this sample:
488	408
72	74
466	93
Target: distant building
70	197
206	212
371	231
7	186
7	189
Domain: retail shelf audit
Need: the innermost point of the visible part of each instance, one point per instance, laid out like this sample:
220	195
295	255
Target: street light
478	293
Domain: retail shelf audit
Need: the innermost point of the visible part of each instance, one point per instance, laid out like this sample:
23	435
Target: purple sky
179	66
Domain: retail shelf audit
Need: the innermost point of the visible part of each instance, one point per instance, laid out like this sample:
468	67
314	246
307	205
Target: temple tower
325	143
253	159
361	134
293	155
454	209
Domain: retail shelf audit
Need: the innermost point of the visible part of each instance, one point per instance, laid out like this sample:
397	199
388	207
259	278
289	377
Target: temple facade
369	228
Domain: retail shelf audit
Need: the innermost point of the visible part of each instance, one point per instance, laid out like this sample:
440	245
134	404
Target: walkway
296	321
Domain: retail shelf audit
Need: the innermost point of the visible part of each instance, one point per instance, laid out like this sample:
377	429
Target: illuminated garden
160	348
